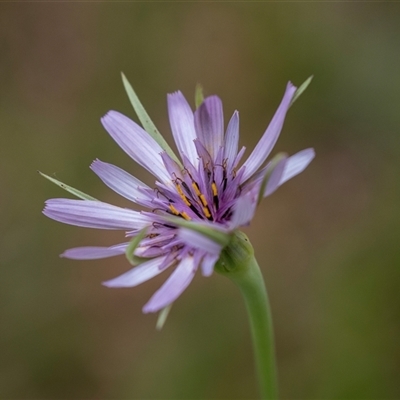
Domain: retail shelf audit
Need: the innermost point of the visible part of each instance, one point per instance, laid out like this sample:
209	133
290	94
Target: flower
196	203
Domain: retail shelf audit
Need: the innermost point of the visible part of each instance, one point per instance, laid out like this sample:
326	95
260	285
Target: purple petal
202	152
244	210
94	253
297	164
274	180
137	275
136	142
182	125
198	241
238	158
173	286
268	140
171	166
209	124
232	139
94	214
122	183
207	264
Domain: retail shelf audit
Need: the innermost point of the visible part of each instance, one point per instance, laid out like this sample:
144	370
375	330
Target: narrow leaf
133	244
162	317
145	120
69	189
198	95
301	89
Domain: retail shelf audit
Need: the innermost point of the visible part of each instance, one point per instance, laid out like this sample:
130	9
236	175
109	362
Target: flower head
197	202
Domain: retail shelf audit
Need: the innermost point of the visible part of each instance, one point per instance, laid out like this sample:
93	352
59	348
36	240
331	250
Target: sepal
236	256
301	89
133	244
198	95
145	119
69	189
162	316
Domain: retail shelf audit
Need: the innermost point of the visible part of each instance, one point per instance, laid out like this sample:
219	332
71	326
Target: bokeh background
327	241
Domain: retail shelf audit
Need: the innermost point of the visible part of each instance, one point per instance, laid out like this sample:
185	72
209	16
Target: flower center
206	193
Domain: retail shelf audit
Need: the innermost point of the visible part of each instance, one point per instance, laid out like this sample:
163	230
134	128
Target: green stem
238	263
251	284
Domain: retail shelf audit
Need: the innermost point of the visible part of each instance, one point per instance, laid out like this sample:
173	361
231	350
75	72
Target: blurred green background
327	241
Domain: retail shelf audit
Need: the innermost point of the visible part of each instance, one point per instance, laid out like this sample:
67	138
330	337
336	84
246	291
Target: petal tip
177	93
108	284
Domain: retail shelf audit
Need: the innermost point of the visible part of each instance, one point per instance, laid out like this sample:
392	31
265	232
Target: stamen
194	209
182	195
207	213
158	191
203	200
178	213
173	209
215	195
227	213
157	225
196	188
201	197
184	215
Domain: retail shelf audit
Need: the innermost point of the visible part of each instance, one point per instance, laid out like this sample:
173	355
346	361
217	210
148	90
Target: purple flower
196	203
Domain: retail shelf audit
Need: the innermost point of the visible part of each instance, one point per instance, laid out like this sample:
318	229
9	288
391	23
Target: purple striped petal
182	125
198	241
122	183
244	210
94	252
202	152
274	180
172	167
173	287
232	140
268	140
209	124
94	214
296	164
136	142
137	275
207	264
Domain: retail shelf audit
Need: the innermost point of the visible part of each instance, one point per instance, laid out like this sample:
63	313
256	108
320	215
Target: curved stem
251	284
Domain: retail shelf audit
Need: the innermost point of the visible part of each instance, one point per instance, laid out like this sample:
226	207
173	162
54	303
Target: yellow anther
184	215
207	212
174	210
203	200
214	189
196	188
182	195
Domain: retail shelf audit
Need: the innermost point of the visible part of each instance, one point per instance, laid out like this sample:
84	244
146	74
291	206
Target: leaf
162	316
198	95
69	189
301	89
146	121
133	244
